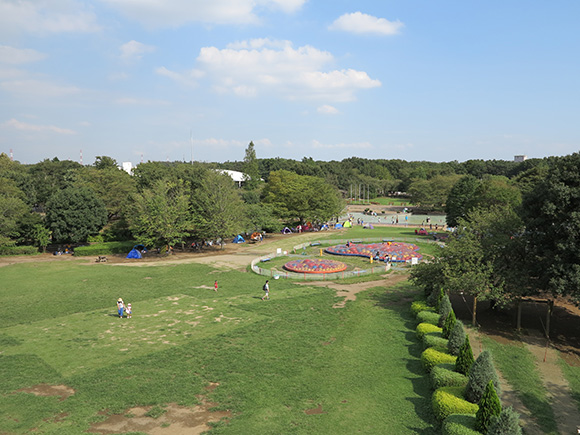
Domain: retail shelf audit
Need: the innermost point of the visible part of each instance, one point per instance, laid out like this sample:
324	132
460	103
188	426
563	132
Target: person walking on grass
120	307
266	289
215	285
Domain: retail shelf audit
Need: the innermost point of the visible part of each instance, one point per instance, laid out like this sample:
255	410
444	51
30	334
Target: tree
444	309
460	199
449	324
219	209
465	358
49	176
456	338
428	275
12	210
302	198
489	407
481	373
41	236
161	215
75	213
105	162
432	193
251	168
260	217
508	422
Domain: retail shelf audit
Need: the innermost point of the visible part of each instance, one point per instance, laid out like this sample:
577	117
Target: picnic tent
337	226
286	231
347	224
238	239
134	253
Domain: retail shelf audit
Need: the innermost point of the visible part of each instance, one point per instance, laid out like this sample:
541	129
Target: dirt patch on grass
315	411
46	390
174	419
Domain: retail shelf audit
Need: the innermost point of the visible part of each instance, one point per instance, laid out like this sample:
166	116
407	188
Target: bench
263	260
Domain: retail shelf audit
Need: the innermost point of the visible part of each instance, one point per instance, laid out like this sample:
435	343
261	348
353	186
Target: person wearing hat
120	307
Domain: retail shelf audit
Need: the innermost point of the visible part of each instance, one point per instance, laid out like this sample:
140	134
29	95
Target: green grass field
273	360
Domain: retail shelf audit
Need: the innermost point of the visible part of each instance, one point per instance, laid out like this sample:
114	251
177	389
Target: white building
520	158
127	167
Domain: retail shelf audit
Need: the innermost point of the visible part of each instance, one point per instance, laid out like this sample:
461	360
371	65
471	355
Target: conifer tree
482	371
444	309
489	407
449	324
465	358
456	338
508	422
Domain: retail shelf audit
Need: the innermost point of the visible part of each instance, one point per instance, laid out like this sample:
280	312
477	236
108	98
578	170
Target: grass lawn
273	360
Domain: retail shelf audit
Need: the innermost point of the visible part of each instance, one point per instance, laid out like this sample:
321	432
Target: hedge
426	328
436	355
434	340
459	424
428	317
18	250
107	248
444	375
418	306
450	400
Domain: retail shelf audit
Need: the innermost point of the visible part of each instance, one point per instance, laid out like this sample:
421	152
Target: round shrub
459	424
444	309
482	371
435	355
489	407
428	317
448	324
419	306
443	375
508	422
465	358
450	400
426	328
456	338
434	340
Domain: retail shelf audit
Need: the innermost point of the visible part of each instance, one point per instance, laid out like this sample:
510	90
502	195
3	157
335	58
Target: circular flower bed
315	265
395	251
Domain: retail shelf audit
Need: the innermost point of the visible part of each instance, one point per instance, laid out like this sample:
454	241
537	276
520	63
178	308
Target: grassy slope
273	359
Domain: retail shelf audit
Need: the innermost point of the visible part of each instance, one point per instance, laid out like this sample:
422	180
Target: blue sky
330	79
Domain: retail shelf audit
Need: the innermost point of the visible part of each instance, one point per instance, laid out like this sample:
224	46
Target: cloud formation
134	50
360	23
16	56
23	126
327	110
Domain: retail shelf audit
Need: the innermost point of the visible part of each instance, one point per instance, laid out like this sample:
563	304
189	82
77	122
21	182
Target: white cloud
37	88
175	13
128	101
358	22
17	56
251	68
188	79
23	126
327	110
134	50
46	17
354	147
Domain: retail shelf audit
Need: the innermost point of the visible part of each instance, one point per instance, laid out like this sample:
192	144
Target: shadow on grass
542	411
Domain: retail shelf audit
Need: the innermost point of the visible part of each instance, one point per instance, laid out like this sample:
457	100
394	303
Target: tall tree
251	168
460	199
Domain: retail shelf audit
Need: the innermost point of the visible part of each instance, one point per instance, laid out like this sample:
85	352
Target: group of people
122	308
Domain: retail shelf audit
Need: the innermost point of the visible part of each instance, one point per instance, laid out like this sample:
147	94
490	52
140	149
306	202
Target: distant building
520	158
238	177
127	167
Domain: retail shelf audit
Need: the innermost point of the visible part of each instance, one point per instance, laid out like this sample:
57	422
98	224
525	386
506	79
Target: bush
465	358
434	340
107	248
419	306
489	407
460	424
450	400
456	338
426	328
448	324
18	250
444	309
443	375
482	371
435	298
435	355
428	317
508	422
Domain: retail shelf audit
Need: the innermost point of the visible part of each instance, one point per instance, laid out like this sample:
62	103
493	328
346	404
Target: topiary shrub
460	424
434	340
482	371
435	297
435	355
443	375
448	324
420	306
426	328
444	309
508	422
465	358
450	400
428	317
489	407
456	338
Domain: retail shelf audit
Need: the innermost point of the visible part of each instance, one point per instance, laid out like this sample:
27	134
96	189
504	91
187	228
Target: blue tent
239	239
134	254
337	226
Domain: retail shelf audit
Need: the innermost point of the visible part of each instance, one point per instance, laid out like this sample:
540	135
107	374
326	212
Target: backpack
265	288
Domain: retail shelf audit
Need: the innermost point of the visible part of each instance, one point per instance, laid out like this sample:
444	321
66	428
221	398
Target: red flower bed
396	251
315	266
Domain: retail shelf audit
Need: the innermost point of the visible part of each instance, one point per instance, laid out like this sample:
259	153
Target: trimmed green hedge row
18	250
428	317
418	306
450	400
107	248
436	355
426	328
459	424
444	375
434	340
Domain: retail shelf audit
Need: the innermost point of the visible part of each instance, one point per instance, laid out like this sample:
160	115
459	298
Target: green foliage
428	276
443	375
460	424
251	168
489	407
75	213
426	328
449	324
434	356
450	400
433	340
481	373
418	306
260	217
428	317
465	358
18	250
432	193
456	338
41	236
508	422
444	309
105	248
460	199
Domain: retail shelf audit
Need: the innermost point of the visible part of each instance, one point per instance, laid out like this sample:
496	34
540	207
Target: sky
176	80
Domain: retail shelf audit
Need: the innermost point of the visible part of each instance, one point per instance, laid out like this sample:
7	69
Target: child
215	285
129	311
120	307
266	288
